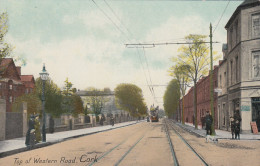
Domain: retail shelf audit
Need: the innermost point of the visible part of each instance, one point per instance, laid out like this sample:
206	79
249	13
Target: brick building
203	100
12	83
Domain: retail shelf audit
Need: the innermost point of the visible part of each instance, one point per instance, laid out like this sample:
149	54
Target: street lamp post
44	76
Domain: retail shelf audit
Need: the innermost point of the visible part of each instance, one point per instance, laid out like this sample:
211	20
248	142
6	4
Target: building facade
12	83
203	100
239	72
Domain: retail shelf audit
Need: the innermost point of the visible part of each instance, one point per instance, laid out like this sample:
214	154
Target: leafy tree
129	97
195	57
33	103
53	97
71	103
179	72
171	98
5	48
77	104
67	90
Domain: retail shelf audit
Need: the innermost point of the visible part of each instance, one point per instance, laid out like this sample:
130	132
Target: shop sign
245	108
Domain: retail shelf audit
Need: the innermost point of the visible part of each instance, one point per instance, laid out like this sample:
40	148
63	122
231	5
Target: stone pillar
2	119
24	112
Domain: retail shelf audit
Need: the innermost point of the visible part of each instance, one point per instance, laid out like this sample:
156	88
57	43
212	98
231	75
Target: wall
2	119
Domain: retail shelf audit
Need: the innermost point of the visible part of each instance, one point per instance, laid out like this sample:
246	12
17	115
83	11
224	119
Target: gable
11	72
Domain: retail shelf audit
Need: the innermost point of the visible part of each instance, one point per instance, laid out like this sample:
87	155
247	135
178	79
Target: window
230	37
256	64
10	99
220	81
231	72
256	25
237	32
225	79
237	69
10	87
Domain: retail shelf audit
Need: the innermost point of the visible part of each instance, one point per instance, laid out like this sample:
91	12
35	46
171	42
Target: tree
67	90
5	48
33	103
171	98
196	58
179	72
129	97
77	105
71	103
52	95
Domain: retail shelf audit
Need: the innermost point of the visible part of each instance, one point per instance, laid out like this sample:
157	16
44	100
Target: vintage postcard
129	82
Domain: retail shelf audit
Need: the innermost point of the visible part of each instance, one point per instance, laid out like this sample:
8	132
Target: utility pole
211	84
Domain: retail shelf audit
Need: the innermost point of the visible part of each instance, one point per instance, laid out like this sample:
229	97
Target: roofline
238	9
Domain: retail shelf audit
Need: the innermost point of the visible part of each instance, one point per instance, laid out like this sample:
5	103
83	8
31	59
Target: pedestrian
208	121
237	119
32	138
101	121
38	136
51	125
232	124
31	126
112	121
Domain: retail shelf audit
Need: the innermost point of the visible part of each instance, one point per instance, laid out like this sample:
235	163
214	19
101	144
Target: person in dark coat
208	121
112	121
101	122
31	126
237	119
232	124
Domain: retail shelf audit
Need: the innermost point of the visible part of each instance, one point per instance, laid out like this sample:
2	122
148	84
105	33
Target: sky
84	40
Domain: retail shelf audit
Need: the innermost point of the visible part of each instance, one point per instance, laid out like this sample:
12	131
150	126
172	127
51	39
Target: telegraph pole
211	84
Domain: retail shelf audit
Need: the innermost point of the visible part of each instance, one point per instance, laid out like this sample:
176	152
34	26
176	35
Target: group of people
234	123
33	134
103	118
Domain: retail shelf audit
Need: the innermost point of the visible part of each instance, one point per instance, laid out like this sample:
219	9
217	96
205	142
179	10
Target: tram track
169	124
118	145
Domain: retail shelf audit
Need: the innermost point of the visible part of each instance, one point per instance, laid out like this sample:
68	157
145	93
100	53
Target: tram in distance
154	114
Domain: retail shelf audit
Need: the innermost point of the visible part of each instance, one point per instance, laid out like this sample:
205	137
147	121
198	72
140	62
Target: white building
239	72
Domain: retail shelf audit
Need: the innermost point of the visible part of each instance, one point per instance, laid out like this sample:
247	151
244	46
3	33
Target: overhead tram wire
221	16
121	32
154	44
118	17
110	20
151	89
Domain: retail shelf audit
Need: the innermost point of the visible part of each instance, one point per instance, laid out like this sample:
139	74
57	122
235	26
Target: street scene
147	82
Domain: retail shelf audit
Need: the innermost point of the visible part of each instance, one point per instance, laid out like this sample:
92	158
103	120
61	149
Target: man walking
208	120
237	119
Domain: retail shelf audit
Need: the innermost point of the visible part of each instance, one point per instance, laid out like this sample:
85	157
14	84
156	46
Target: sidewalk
17	145
220	134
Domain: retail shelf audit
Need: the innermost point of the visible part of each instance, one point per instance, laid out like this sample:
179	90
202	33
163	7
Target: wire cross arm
157	44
